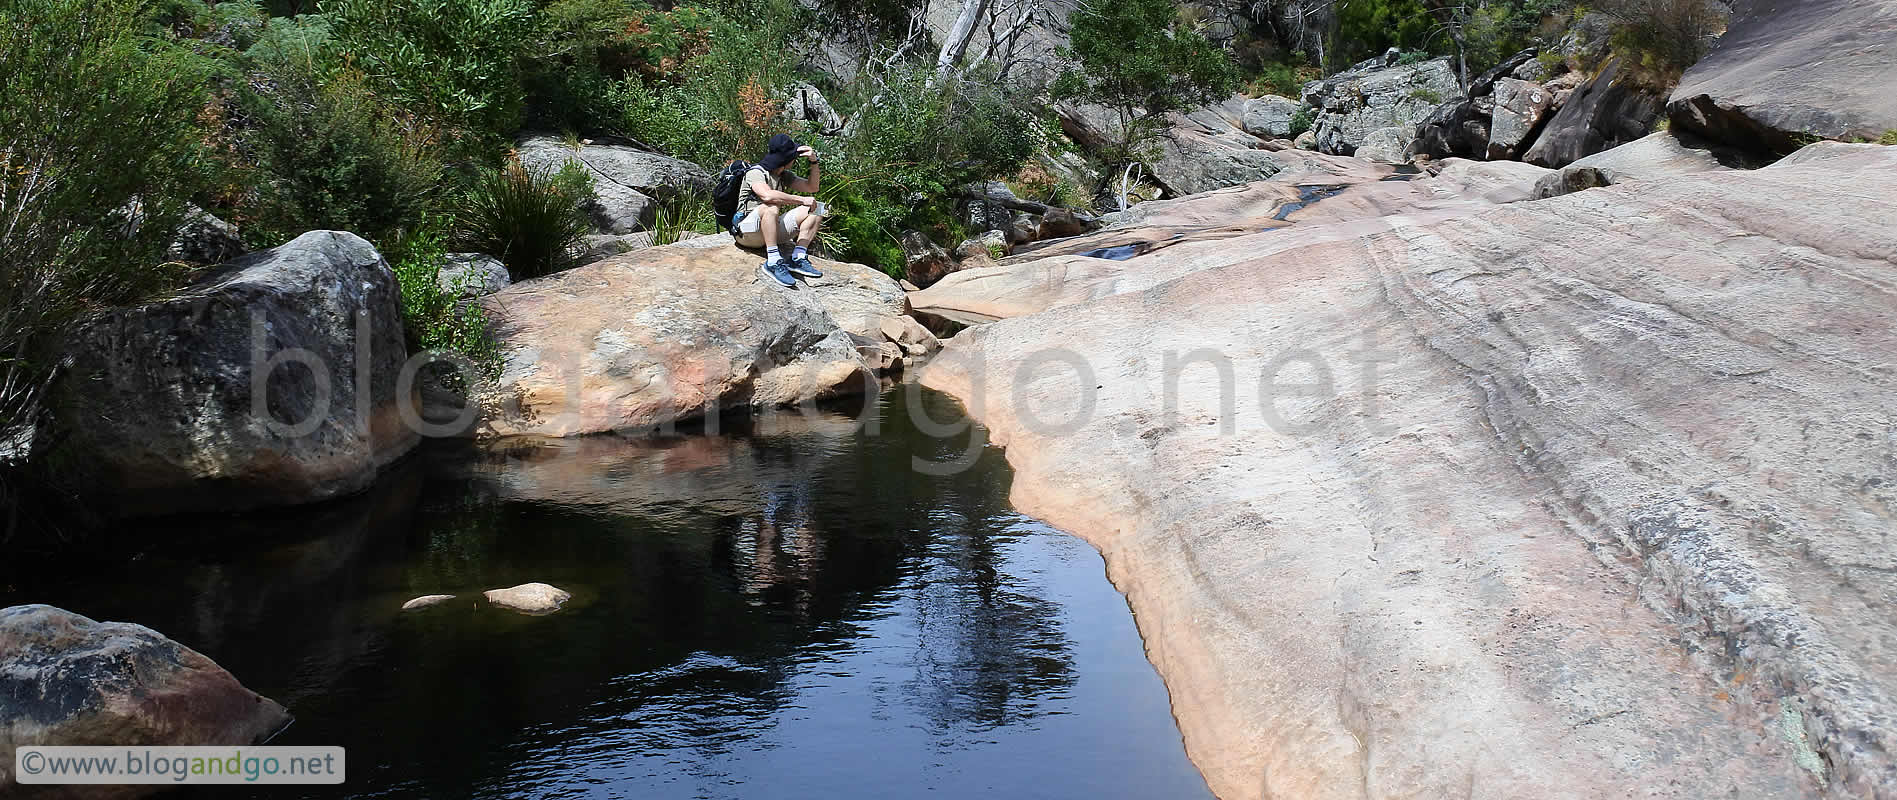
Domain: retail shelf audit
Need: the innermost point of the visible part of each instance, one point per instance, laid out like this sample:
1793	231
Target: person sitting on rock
767	214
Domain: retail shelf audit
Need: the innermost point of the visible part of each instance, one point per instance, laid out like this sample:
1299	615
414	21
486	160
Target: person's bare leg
807	229
767	224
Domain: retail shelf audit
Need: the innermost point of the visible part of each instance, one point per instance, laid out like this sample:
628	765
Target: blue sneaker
778	273
800	265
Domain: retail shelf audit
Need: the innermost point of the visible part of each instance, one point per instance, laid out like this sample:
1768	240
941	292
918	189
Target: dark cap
783	150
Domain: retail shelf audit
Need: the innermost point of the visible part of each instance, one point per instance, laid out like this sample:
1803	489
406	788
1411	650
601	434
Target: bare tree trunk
958	36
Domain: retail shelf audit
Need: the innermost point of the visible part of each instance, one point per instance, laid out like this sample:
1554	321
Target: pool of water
787	608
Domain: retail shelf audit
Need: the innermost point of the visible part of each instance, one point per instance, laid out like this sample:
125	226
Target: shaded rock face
201	402
806	104
1367	98
924	261
67	680
1456	129
1783	71
1387	145
1608	111
205	239
628	182
1582	531
674	333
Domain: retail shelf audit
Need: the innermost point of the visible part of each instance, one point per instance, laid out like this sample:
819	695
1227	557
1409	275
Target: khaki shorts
750	234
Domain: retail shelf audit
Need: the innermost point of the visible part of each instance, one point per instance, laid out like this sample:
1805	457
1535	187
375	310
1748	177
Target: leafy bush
435	316
1889	138
454	61
1302	120
1279	79
706	90
532	220
327	154
1664	36
98	153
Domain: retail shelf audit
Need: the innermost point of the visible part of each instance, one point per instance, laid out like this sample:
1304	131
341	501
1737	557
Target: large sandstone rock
1664	154
1579	498
629	183
1610	110
674	333
1785	71
67	680
1370	97
164	407
1388	145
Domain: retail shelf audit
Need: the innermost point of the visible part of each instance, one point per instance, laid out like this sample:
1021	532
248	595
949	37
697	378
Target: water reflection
784	609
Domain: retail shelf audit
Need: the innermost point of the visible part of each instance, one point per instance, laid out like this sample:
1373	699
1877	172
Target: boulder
1269	117
1512	509
205	239
66	680
1520	107
1663	154
1388	145
675	333
805	103
907	333
164	407
628	182
601	246
1787	72
529	598
1352	104
1457	129
1610	110
472	275
989	245
1305	141
1060	223
924	261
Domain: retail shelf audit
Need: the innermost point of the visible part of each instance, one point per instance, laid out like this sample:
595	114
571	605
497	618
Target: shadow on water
1306	196
785	609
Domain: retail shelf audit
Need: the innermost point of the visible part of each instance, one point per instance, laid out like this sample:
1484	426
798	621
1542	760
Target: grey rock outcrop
1352	104
66	680
1387	145
1784	72
205	239
628	182
1609	518
1520	107
924	261
200	401
806	104
471	275
1269	117
1610	110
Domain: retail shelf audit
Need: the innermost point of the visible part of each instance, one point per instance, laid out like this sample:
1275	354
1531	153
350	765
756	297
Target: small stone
529	598
426	601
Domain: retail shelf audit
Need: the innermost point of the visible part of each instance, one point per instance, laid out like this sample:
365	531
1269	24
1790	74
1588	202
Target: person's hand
810	203
811	153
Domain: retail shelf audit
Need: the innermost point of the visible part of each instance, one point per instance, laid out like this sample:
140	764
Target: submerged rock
674	333
529	598
1577	498
1785	72
164	407
67	680
426	601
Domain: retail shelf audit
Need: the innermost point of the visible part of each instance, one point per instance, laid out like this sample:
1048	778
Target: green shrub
434	316
456	62
98	154
1889	138
707	90
1663	37
1302	120
328	155
690	213
532	220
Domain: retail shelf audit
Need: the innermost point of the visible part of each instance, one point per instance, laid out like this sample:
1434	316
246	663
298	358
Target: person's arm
774	197
809	183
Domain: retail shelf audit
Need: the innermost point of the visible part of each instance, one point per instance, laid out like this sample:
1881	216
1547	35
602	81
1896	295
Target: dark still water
787	610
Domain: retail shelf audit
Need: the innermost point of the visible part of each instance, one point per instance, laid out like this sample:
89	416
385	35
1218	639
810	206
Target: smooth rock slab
426	601
1784	71
1607	514
529	598
67	680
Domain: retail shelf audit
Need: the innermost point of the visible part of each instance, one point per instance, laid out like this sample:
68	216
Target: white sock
797	253
771	256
